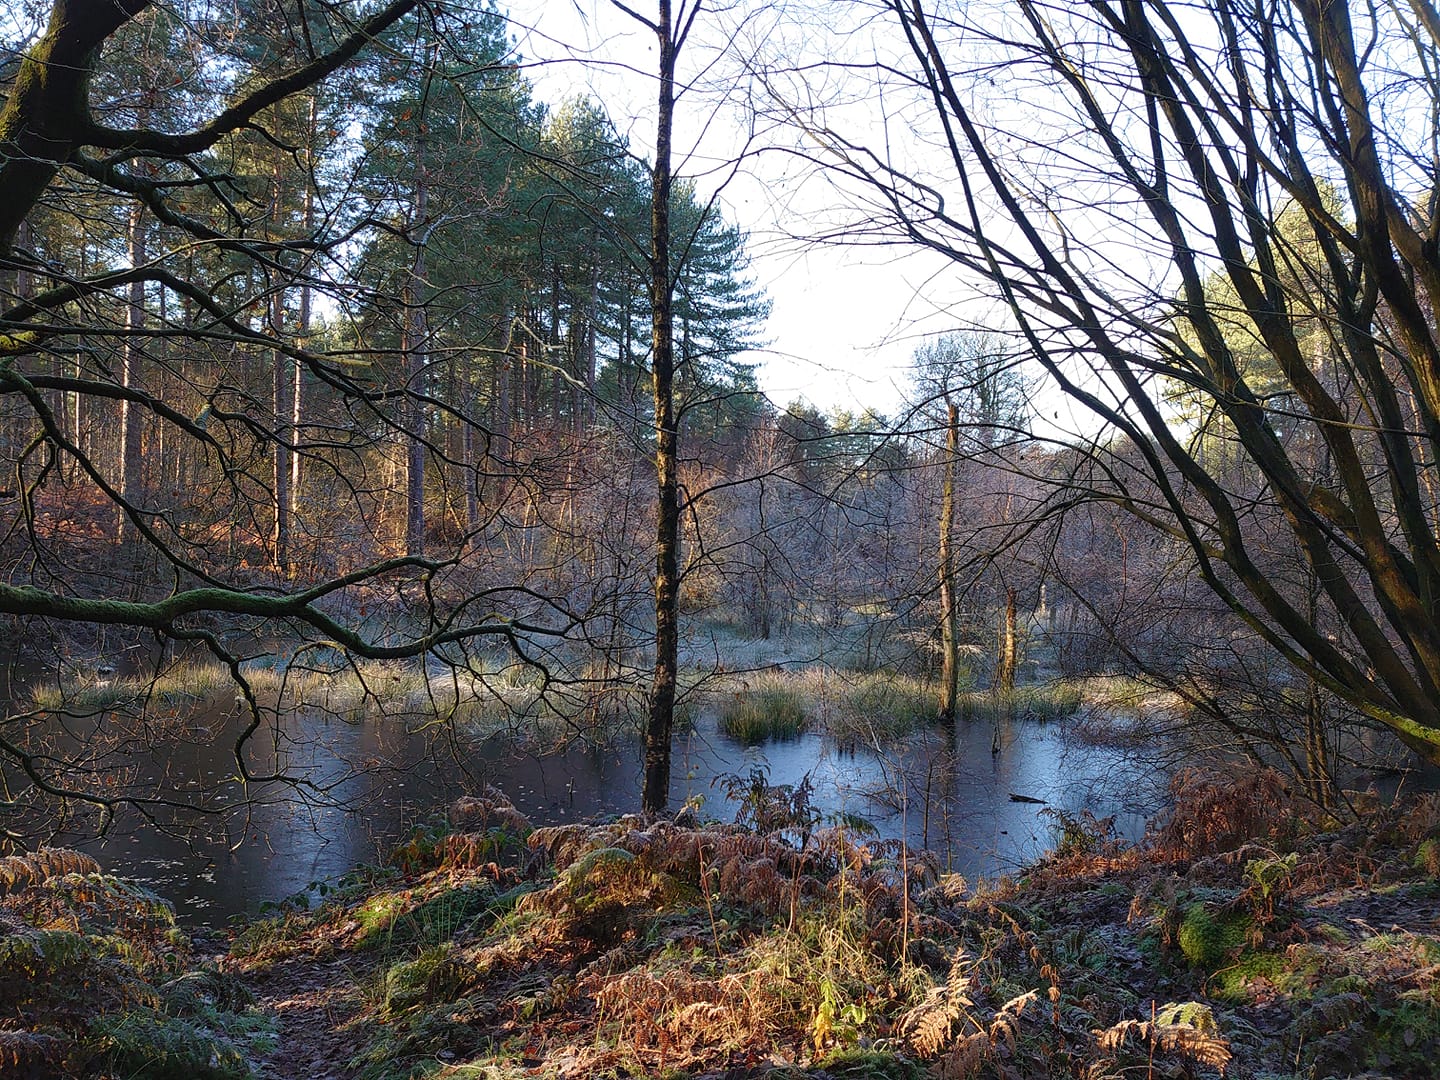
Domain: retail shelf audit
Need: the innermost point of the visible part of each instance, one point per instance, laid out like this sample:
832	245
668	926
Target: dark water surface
366	783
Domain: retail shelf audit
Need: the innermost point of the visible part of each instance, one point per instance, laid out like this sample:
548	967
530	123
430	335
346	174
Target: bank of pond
1248	934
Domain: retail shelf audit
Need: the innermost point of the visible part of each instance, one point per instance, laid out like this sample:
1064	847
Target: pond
355	787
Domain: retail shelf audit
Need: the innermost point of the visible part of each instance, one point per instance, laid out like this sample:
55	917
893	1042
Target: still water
355	787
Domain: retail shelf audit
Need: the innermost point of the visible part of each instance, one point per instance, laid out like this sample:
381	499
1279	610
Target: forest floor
1250	935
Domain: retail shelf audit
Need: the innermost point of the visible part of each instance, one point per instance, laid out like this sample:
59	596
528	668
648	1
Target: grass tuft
770	709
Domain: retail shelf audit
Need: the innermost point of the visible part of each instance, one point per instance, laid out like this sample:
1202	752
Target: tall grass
847	706
184	683
770	708
878	706
1041	701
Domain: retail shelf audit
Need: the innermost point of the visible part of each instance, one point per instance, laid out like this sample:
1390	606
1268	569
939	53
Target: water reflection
358	786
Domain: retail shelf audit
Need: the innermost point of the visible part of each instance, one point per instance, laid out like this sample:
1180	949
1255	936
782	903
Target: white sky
840	330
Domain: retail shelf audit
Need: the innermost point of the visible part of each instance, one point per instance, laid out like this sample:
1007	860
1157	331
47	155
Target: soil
315	1004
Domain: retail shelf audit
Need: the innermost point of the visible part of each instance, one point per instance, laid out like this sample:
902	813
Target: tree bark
131	446
414	348
661	722
48	108
1009	658
949	616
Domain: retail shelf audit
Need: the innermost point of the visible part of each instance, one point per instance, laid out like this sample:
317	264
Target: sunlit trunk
131	462
949	617
1009	649
661	721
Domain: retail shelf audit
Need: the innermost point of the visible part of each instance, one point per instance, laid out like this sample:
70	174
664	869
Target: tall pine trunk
414	348
131	448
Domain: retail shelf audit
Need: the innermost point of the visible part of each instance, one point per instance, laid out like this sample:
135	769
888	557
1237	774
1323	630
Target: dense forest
344	377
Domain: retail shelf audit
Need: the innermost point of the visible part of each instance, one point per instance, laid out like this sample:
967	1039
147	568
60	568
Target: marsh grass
848	706
513	700
877	706
1041	701
770	708
185	683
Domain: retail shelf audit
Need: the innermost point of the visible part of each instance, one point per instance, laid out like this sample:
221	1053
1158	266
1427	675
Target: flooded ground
353	788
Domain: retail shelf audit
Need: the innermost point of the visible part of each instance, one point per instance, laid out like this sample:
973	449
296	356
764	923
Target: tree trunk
296	371
414	348
284	409
131	448
949	616
1009	650
661	720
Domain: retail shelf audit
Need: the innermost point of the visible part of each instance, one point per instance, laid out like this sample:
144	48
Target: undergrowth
792	946
1251	935
96	980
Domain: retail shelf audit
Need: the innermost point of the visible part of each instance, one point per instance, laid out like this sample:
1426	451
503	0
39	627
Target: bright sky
842	327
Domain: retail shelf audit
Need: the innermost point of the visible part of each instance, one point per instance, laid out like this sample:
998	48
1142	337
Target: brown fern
490	810
1187	1030
928	1026
1214	812
21	871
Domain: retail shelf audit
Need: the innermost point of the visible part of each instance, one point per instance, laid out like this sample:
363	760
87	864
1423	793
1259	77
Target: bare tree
1160	151
971	388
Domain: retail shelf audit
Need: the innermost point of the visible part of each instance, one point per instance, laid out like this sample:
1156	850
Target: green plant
1207	938
1427	857
1267	889
852	1064
837	1021
753	715
151	1046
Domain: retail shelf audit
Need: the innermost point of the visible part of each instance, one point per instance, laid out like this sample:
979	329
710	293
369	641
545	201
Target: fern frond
1187	1029
21	871
28	1054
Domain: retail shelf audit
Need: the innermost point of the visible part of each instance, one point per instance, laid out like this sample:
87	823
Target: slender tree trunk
661	722
504	421
414	348
284	409
588	405
1009	648
949	615
764	569
131	448
557	385
297	380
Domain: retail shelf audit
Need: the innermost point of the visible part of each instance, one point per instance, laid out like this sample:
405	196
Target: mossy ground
1248	934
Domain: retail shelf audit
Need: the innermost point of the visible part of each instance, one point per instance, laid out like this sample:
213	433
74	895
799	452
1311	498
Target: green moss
1207	938
1234	982
870	1065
